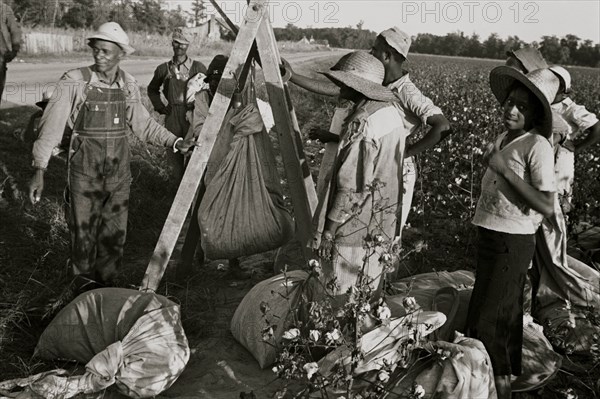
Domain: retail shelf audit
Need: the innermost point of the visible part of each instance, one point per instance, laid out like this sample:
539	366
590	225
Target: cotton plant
321	326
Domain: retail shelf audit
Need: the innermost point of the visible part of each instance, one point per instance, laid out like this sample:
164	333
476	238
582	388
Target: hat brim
42	103
99	36
502	79
367	88
182	41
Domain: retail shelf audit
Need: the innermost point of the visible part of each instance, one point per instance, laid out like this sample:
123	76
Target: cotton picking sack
242	212
251	319
125	337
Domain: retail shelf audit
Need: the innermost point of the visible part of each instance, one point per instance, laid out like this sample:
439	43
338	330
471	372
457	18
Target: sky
530	20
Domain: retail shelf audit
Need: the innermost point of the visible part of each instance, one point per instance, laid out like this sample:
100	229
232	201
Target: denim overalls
98	180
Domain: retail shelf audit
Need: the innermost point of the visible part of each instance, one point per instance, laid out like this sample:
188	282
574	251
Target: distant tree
175	18
552	50
149	16
474	48
513	43
198	12
79	15
493	46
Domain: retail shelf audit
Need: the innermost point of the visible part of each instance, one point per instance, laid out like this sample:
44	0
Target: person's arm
15	32
201	106
440	129
146	128
323	135
420	106
541	201
52	126
591	138
319	86
154	90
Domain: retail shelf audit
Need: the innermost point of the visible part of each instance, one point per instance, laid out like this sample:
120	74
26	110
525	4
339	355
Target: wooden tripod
255	27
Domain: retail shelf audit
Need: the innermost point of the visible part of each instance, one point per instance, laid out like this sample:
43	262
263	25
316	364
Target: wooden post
197	165
302	189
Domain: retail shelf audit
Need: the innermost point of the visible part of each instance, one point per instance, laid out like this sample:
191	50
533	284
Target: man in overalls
99	105
173	76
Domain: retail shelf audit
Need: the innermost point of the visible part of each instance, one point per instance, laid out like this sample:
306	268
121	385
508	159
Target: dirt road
26	81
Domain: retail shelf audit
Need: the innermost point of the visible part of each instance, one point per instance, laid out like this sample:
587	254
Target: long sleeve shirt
69	96
371	149
414	106
10	32
175	94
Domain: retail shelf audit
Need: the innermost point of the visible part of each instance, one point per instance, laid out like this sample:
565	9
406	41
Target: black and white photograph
297	199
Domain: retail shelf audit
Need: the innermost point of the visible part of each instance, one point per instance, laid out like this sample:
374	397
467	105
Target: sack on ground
128	338
242	212
466	373
265	306
539	362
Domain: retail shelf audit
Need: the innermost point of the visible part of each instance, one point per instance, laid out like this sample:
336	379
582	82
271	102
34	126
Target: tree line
150	16
567	50
153	17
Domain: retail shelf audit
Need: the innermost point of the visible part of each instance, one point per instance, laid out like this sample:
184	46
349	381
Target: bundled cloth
568	293
431	291
464	371
131	339
242	212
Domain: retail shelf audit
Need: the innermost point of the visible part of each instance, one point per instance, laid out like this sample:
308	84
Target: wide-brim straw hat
112	32
562	74
541	82
529	57
361	72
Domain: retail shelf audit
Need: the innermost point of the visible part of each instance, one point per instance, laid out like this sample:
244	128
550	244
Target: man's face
378	50
348	93
106	55
179	49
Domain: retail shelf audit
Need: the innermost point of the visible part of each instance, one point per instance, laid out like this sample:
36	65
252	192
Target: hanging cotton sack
242	212
131	339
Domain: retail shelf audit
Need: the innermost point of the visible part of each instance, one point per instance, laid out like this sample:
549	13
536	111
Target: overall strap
87	74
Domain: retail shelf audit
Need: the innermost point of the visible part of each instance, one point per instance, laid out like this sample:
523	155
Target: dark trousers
177	124
2	76
495	314
97	216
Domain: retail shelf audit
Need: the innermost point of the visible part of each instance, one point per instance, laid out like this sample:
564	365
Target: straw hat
563	75
112	32
530	58
362	72
541	82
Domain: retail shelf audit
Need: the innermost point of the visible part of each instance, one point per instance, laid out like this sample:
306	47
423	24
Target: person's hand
286	70
496	161
184	146
325	251
36	186
324	136
165	110
11	55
